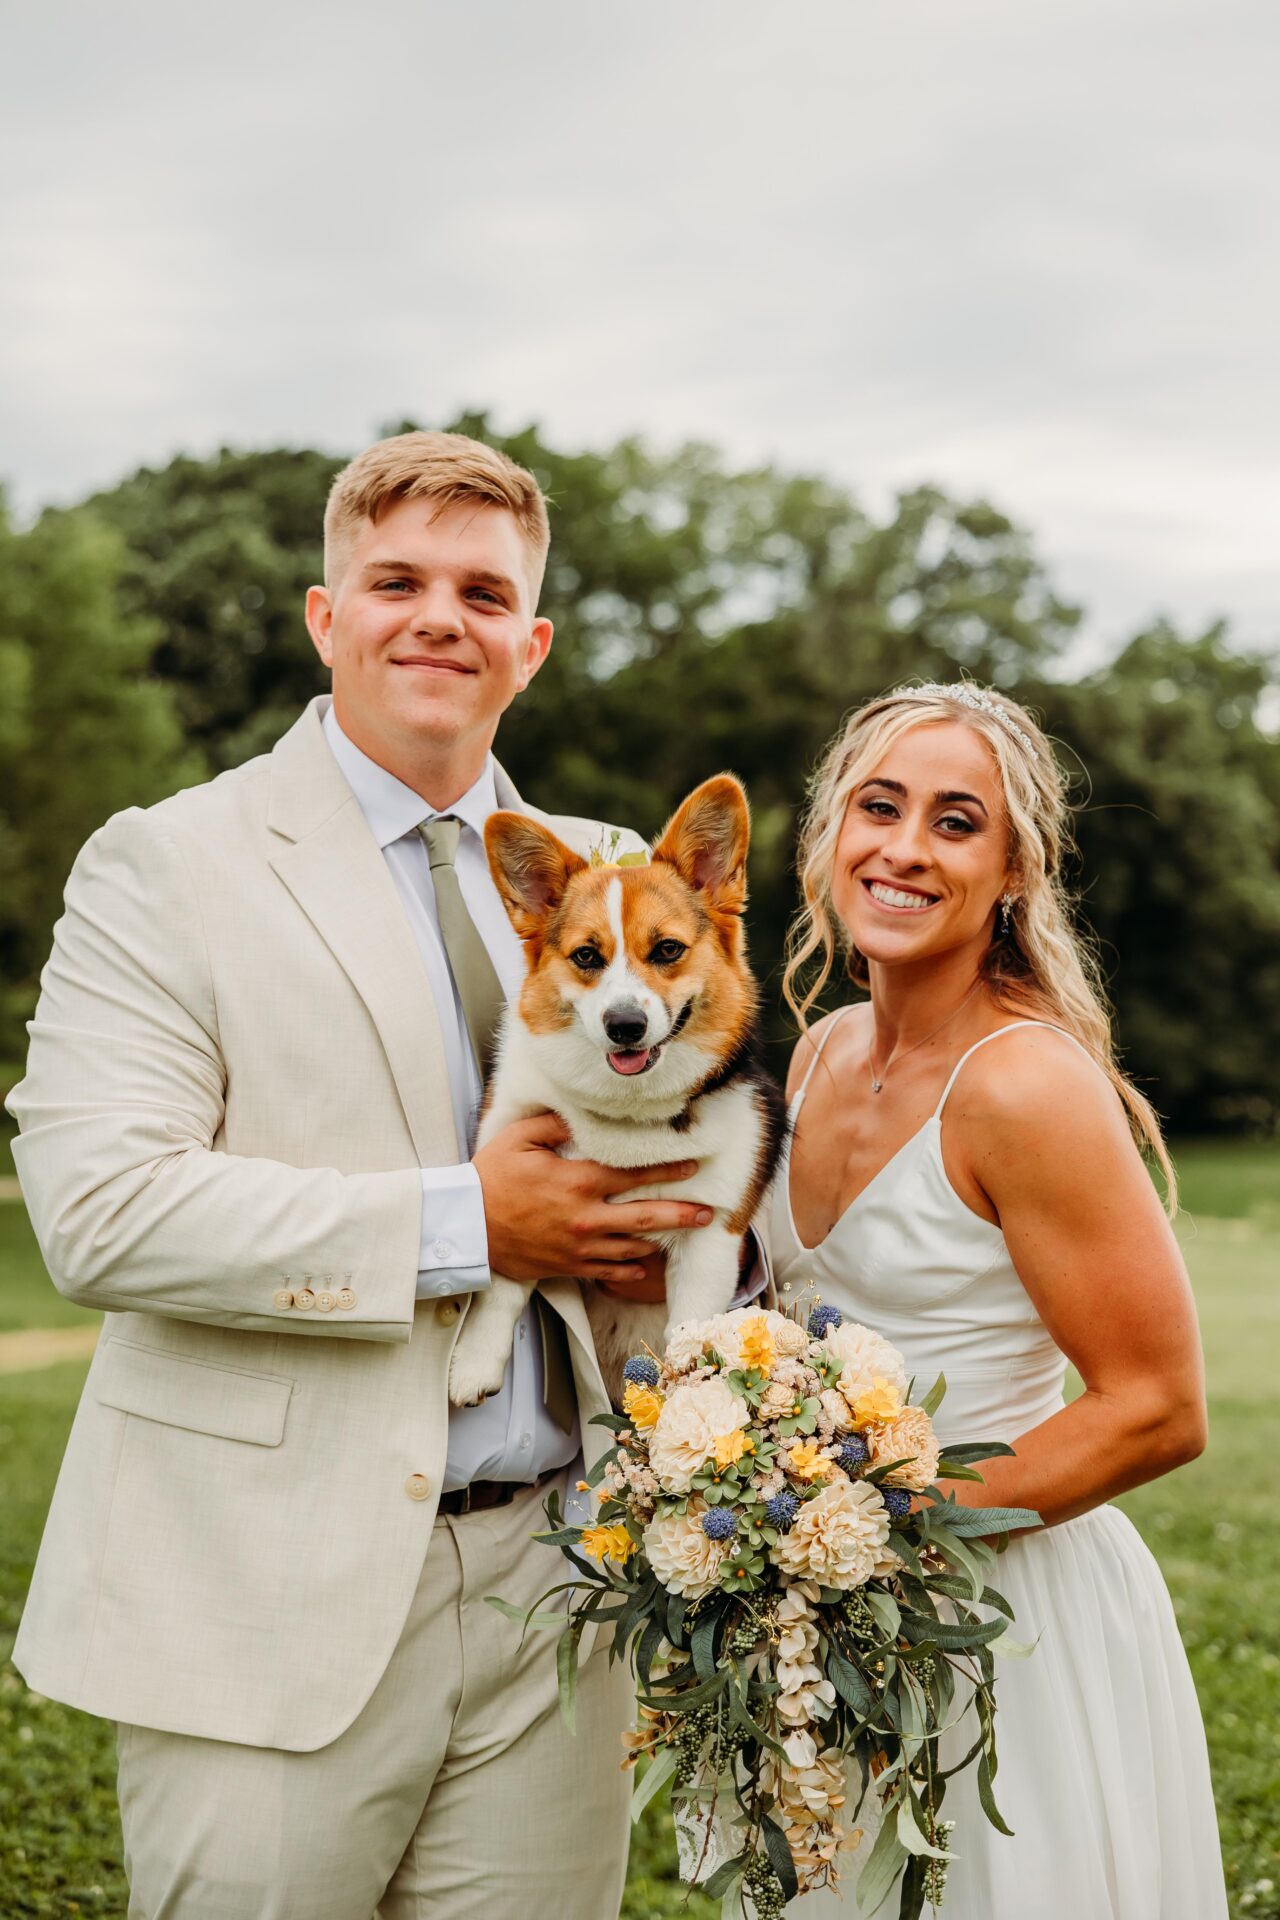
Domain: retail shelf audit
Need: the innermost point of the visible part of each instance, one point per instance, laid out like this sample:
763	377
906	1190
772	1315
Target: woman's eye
668	951
587	959
960	822
882	809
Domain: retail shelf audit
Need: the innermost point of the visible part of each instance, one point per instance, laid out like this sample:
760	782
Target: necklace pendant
876	1084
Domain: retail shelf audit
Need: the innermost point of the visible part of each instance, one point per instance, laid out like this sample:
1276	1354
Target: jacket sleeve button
346	1299
282	1298
304	1300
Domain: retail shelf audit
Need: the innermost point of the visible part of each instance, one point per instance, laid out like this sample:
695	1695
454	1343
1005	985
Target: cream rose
909	1437
838	1537
693	1419
866	1358
681	1555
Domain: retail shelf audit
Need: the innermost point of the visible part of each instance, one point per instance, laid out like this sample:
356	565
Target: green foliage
706	618
84	730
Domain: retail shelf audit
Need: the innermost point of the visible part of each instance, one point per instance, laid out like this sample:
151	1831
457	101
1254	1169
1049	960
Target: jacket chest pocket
177	1392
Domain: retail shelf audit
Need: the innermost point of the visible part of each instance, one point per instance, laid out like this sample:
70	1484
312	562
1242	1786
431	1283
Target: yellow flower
756	1344
732	1446
881	1401
806	1463
642	1405
613	1543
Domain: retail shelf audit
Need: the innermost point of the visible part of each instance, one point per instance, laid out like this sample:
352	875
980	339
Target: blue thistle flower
898	1501
719	1524
781	1511
822	1319
641	1371
854	1453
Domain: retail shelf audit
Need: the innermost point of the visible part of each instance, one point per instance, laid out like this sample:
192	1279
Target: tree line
705	618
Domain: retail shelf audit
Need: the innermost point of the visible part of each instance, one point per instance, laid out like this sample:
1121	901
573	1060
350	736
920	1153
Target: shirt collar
393	810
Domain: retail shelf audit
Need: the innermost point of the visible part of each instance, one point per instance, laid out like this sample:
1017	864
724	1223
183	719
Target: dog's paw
474	1377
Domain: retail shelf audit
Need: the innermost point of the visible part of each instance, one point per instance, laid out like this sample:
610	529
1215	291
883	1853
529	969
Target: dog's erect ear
706	840
530	869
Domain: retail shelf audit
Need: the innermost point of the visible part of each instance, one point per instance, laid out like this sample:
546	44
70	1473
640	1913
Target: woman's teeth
894	897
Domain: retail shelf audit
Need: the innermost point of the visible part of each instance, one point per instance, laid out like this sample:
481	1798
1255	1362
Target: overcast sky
1025	249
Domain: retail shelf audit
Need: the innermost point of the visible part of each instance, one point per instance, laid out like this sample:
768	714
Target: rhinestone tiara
977	698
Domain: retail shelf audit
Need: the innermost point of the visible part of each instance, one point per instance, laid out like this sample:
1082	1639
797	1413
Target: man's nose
626	1023
438	611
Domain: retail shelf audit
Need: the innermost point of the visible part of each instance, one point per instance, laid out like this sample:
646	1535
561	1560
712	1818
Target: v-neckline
862	1192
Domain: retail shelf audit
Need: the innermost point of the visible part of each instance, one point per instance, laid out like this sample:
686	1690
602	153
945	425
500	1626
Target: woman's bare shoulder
816	1038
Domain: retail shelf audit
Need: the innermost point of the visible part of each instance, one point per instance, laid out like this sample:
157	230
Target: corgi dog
636	1024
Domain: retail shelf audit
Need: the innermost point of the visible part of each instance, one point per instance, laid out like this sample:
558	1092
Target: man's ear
706	840
319	616
530	869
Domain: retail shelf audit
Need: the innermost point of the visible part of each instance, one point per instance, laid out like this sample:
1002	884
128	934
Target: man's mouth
899	899
435	666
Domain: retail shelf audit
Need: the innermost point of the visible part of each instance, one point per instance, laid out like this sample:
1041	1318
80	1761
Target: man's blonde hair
444	468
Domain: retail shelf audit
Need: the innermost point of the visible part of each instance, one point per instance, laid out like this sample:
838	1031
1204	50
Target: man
245	1127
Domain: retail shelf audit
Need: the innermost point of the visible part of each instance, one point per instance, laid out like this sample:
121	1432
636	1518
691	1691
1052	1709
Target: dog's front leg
483	1347
702	1273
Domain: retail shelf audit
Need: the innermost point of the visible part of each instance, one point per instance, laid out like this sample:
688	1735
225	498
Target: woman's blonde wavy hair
1040	967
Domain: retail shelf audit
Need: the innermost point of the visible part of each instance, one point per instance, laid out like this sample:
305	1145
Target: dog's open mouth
637	1060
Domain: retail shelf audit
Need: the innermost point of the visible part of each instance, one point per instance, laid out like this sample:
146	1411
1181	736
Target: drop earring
1006	912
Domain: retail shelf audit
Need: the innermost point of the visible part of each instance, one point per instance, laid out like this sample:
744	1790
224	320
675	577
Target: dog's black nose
626	1024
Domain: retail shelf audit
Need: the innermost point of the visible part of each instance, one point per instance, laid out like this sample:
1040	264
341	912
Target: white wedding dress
1103	1773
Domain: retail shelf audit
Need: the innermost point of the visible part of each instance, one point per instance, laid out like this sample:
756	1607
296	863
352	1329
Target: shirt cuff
453	1246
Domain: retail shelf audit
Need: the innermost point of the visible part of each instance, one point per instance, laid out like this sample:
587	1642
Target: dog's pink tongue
630	1062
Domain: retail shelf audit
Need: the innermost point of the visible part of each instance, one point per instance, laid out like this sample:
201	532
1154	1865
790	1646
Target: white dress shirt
510	1436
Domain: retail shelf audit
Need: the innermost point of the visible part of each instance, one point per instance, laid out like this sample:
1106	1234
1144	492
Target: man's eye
668	951
587	959
395	586
483	593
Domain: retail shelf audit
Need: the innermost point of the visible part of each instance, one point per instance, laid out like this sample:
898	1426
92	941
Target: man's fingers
658	1216
622	1179
542	1130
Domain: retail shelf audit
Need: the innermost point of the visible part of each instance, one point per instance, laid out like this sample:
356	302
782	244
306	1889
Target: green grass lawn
1215	1528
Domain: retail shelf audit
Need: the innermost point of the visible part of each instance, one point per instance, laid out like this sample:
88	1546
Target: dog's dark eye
668	951
587	959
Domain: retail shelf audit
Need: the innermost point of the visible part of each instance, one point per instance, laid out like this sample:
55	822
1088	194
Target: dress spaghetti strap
1015	1026
817	1053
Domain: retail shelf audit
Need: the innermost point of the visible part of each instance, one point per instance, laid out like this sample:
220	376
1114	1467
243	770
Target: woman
965	1177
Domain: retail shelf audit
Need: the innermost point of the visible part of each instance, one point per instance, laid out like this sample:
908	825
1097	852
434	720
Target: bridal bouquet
805	1610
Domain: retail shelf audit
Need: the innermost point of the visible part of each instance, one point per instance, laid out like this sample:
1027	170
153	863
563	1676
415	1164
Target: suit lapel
331	864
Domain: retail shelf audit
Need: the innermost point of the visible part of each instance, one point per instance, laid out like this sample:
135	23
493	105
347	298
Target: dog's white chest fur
721	1130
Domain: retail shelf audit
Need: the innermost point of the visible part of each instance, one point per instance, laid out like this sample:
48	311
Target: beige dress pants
457	1794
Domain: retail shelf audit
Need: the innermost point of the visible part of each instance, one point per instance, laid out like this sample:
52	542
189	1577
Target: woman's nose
905	845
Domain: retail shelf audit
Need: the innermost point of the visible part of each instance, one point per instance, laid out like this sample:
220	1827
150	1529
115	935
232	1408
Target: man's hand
547	1216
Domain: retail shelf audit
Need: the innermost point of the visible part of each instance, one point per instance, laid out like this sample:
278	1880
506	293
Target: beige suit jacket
235	1073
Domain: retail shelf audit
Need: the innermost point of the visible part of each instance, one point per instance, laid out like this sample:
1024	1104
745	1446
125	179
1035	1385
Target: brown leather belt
482	1494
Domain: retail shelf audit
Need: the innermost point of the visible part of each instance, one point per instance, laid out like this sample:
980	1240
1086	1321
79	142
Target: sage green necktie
480	991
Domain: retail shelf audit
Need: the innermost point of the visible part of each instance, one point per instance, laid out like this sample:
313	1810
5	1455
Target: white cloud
1023	251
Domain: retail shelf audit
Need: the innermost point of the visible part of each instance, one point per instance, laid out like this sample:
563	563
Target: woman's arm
1045	1139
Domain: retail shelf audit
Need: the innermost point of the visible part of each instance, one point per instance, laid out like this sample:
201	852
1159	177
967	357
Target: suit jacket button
447	1312
346	1299
418	1487
282	1297
305	1300
324	1303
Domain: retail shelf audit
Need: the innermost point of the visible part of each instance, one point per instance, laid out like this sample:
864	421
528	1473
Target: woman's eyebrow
949	799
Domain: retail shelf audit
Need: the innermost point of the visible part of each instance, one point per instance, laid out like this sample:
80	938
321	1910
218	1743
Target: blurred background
852	343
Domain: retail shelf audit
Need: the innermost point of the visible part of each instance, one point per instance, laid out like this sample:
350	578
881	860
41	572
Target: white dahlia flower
684	1348
681	1555
866	1358
694	1418
837	1538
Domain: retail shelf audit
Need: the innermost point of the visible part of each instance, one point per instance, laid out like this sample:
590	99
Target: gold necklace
878	1080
